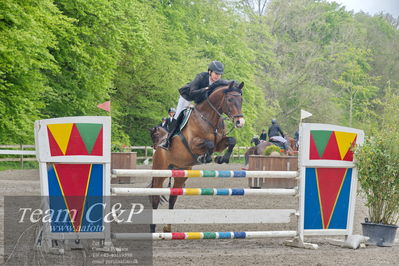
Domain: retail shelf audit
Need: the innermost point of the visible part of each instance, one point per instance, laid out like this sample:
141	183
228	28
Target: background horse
260	149
204	134
158	134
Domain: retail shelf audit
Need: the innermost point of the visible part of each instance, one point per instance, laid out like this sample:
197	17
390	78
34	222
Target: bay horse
158	134
260	148
203	134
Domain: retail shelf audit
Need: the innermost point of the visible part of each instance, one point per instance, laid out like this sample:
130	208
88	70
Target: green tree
27	38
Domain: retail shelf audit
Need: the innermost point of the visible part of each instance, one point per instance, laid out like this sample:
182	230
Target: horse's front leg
157	182
228	142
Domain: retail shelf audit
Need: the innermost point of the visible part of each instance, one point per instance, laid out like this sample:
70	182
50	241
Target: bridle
219	114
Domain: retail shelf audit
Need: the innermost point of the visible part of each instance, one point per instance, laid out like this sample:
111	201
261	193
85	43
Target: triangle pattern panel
94	201
339	218
344	141
312	213
349	154
313	153
329	181
76	145
89	133
331	151
61	134
98	145
62	221
74	179
321	138
54	148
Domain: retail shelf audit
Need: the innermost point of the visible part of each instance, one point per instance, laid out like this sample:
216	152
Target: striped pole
201	192
200	173
203	235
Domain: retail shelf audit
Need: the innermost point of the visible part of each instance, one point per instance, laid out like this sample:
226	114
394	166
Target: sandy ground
211	252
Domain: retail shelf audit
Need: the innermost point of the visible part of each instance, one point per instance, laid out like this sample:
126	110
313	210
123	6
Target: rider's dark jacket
196	89
275	130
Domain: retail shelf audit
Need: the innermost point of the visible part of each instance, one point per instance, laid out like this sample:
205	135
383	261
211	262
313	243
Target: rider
276	134
170	121
195	91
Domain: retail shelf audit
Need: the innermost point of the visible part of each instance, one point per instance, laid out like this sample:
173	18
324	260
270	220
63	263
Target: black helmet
216	66
274	121
172	110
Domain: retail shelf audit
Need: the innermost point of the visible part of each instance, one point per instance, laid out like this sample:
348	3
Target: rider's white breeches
181	105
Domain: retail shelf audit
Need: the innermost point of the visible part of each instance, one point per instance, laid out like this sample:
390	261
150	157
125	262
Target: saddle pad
187	112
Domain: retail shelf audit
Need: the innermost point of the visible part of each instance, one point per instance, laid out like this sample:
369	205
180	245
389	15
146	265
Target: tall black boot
166	143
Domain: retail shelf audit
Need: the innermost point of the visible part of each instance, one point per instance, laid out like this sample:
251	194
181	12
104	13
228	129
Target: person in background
276	134
296	138
163	123
170	121
275	130
263	135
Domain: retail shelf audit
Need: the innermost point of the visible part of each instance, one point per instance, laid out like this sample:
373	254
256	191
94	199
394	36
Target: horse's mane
223	83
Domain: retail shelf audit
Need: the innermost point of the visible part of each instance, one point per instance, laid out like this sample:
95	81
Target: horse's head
232	103
157	133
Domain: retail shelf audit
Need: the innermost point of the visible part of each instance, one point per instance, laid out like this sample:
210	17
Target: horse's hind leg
178	183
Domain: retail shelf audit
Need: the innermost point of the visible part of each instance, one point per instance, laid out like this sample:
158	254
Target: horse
203	134
158	134
260	148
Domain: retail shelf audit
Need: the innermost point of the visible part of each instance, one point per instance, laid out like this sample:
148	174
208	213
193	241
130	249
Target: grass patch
17	165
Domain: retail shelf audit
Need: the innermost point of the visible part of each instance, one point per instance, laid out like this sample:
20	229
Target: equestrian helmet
217	67
274	121
172	110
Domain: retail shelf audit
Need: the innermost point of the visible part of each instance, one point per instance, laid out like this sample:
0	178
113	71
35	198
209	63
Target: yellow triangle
61	134
344	141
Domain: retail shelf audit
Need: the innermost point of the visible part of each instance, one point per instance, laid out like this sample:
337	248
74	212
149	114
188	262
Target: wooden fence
23	153
238	152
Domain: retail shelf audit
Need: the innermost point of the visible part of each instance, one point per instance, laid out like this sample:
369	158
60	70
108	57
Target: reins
229	116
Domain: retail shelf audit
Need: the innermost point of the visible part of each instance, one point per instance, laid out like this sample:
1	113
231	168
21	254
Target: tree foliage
62	58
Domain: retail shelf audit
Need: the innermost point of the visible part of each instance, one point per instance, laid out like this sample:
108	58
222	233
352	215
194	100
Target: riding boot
166	143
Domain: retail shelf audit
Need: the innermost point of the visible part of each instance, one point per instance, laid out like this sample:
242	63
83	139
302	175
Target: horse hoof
152	228
167	229
219	159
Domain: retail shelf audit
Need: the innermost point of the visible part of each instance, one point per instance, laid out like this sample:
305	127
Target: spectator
263	135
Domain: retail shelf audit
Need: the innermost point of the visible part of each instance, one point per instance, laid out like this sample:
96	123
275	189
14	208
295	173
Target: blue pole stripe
224	173
237	191
224	235
240	235
222	191
240	173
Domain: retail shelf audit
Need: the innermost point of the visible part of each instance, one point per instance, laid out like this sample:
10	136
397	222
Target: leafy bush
377	161
271	149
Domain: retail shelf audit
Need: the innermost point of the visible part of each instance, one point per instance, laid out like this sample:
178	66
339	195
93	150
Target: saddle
182	120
